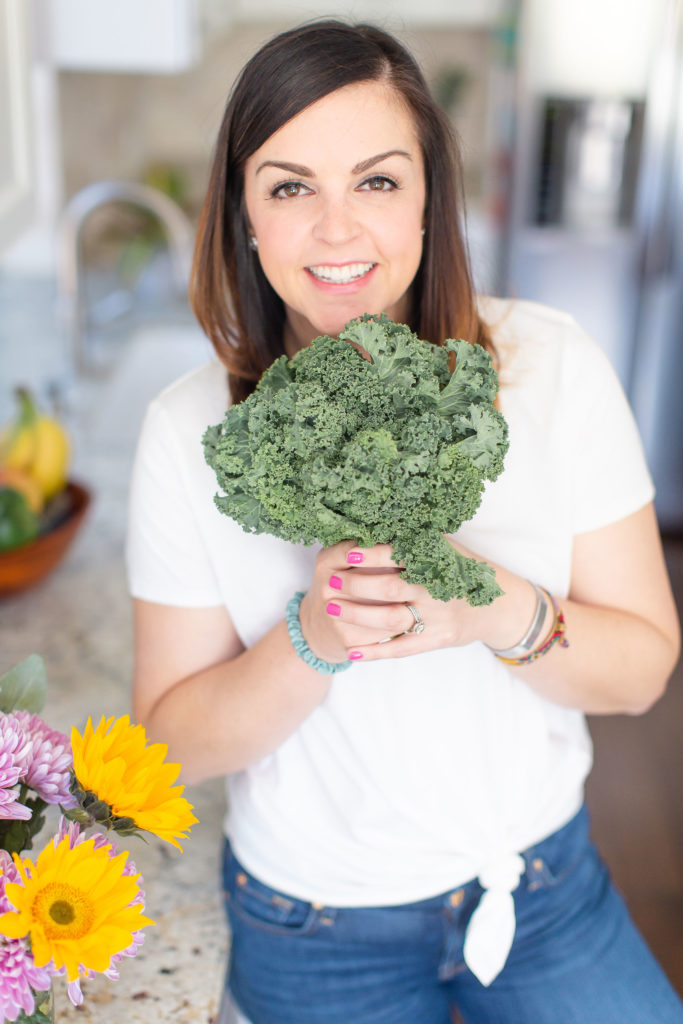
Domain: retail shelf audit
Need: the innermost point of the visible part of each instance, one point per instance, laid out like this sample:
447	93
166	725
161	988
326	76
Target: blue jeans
577	957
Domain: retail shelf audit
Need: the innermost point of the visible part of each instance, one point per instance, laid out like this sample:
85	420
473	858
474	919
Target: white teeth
341	275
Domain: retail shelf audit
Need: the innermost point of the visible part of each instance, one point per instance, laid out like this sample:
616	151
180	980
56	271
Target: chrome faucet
179	235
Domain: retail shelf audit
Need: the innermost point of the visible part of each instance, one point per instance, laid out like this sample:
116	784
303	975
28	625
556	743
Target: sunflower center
64	911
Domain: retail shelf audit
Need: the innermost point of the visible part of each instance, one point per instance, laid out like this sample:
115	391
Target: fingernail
355	655
355	557
333	609
335	582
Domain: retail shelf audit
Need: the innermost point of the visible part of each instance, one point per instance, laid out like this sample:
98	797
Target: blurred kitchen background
572	131
571	120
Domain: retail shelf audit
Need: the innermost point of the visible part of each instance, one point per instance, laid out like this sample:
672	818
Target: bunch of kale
390	449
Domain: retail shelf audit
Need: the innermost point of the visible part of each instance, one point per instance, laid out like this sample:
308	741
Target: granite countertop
79	620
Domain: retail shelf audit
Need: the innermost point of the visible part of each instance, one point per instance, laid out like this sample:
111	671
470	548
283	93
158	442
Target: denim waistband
545	861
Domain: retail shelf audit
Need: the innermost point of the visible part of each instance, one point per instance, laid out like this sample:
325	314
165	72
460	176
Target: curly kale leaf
472	381
485	442
368	437
434	563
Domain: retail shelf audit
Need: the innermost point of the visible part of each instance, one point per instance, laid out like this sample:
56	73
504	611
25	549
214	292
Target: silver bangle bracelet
532	635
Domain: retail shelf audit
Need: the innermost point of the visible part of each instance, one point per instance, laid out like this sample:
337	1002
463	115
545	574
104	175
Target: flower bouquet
77	909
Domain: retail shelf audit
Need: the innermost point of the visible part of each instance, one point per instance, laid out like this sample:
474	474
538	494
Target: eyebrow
306	172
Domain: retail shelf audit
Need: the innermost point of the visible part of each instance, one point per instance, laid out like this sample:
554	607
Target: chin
333	323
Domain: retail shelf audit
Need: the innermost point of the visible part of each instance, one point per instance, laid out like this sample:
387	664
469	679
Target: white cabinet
152	36
168	36
455	13
16	162
596	48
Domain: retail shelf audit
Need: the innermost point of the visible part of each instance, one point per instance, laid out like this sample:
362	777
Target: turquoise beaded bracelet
299	643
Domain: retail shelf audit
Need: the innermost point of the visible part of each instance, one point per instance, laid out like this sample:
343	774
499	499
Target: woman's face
336	201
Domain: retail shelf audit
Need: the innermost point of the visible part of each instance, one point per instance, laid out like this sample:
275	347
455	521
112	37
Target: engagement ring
418	625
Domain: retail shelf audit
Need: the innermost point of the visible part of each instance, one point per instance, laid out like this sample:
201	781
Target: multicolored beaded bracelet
557	634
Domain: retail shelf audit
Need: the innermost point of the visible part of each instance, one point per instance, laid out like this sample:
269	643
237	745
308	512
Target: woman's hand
621	622
357	607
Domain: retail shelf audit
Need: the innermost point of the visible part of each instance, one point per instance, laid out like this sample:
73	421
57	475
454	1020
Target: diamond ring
418	625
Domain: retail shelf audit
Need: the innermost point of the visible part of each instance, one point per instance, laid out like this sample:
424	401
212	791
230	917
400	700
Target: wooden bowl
27	565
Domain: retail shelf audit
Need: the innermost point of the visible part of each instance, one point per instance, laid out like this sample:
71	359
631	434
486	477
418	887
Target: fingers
382	619
347	554
403	646
382	586
362	595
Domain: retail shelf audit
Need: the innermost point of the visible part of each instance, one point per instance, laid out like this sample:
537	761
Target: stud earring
253	242
423	231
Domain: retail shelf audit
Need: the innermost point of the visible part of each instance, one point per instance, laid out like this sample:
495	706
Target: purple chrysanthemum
49	768
20	979
8	873
15	754
77	835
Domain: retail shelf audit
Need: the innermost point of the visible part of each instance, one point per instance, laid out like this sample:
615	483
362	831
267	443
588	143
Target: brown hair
230	295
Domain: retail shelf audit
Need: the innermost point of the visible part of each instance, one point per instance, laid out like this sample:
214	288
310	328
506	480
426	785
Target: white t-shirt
414	775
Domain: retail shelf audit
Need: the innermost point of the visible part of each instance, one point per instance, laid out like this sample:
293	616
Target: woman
408	837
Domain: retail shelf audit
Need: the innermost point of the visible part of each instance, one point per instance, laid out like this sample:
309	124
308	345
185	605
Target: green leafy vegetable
18	522
380	446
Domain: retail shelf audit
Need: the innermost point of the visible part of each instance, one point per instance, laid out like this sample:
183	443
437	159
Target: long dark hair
230	295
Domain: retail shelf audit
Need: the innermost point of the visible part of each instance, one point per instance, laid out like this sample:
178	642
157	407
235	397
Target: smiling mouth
341	275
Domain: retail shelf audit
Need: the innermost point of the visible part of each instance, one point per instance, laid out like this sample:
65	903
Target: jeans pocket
255	904
556	858
542	875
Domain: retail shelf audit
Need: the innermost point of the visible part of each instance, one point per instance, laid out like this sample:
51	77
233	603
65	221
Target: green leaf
247	510
473	380
390	354
277	376
24	687
486	447
430	561
43	1012
236	439
15	836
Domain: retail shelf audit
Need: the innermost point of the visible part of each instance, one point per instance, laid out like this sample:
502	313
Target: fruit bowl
28	564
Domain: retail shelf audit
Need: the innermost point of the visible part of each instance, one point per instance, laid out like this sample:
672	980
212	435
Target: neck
293	341
298	332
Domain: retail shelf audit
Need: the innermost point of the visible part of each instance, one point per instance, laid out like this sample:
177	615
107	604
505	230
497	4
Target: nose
337	222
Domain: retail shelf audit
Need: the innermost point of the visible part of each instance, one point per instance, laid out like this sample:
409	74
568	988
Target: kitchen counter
79	620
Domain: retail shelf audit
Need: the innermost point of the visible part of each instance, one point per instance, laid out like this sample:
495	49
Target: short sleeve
167	559
610	478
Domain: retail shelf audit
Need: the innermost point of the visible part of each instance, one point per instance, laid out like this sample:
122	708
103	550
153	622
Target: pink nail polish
333	609
355	655
335	582
355	557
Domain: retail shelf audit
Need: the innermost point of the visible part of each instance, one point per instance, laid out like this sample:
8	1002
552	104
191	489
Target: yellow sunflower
76	905
114	763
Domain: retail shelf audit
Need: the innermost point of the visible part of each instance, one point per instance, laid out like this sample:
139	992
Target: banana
51	459
17	439
37	445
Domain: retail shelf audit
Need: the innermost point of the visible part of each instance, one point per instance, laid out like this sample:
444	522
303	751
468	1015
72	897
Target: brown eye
379	184
289	190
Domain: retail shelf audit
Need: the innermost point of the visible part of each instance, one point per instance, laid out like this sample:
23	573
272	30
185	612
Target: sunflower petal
14	926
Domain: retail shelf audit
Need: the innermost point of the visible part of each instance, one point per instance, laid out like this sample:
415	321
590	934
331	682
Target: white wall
599	48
